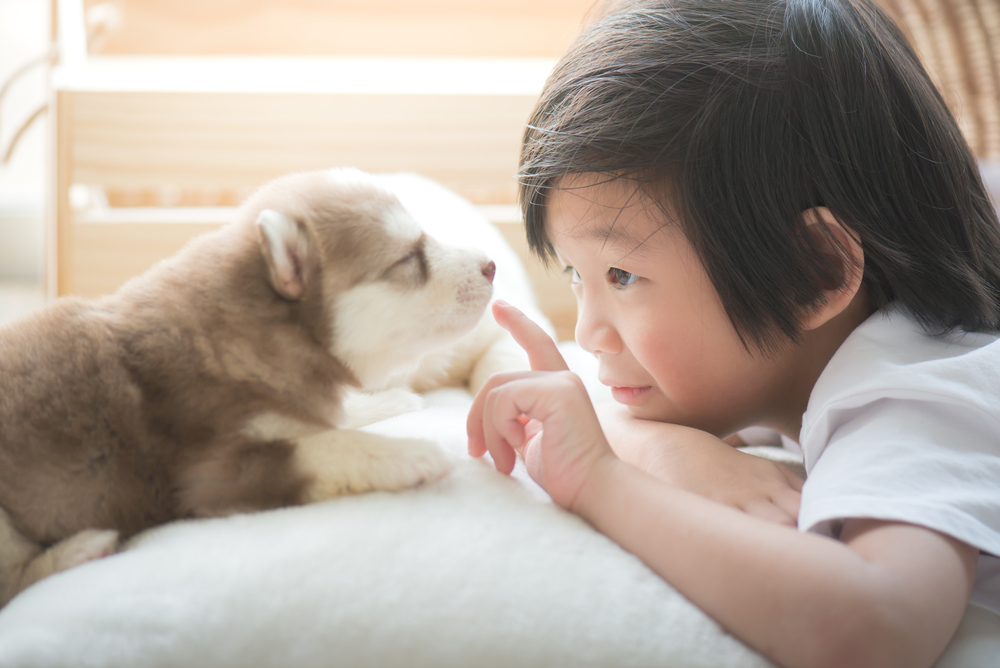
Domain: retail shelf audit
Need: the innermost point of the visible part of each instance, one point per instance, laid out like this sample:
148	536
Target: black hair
737	116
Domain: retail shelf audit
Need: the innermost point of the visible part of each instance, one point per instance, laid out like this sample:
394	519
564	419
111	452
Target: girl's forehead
599	208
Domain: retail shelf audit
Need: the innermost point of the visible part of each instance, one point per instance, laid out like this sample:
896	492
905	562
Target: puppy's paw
85	546
342	461
416	462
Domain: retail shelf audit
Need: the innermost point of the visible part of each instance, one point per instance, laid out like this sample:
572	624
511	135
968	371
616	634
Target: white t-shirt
905	426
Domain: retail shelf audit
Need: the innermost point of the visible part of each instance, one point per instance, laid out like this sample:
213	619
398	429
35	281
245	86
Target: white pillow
475	570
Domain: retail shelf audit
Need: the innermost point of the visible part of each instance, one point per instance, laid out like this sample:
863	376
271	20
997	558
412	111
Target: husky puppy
214	382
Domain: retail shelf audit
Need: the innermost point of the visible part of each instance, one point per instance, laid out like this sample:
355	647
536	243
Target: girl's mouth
630	395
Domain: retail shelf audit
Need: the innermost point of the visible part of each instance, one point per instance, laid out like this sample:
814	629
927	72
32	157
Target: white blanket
475	570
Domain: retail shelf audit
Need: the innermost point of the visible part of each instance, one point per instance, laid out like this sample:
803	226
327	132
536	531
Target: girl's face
650	314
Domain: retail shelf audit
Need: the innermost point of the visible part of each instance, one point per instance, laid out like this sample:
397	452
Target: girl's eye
574	276
621	277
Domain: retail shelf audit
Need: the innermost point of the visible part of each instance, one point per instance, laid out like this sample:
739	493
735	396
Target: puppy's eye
415	255
412	266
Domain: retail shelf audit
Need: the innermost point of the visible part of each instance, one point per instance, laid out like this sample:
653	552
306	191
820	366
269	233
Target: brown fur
132	410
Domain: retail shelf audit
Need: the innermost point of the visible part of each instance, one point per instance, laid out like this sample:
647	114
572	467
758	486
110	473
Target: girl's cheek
671	356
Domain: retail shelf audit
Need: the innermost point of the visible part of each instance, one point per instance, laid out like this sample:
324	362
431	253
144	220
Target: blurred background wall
959	41
24	35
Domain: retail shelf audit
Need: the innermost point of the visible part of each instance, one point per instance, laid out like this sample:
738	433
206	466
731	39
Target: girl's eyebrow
616	234
619	237
612	234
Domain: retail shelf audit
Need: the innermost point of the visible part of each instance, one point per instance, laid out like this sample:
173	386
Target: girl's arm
701	463
886	594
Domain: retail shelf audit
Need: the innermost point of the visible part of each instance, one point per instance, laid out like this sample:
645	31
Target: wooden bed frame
189	106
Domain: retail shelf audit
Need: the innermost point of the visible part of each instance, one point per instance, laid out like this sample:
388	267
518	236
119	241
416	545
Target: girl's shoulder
891	356
891	349
901	426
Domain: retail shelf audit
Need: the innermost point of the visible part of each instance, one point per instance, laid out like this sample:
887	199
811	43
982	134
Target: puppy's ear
284	243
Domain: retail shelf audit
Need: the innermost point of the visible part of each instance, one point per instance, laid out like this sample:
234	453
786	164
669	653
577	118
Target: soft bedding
475	570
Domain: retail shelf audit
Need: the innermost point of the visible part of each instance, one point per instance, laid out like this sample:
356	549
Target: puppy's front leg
259	475
343	461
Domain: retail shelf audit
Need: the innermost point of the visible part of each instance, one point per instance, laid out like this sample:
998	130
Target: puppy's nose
489	270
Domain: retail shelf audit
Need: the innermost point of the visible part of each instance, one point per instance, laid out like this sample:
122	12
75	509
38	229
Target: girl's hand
701	463
545	415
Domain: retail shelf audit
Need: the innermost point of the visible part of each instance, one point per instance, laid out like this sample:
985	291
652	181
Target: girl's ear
841	250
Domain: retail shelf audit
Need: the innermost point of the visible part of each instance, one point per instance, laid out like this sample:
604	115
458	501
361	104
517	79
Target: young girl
770	218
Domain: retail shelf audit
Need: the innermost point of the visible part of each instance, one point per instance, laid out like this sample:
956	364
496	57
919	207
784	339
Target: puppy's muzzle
489	269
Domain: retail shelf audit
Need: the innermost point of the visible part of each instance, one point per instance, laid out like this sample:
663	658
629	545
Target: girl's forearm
701	463
800	599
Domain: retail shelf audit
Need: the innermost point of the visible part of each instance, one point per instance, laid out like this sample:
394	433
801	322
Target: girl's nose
594	330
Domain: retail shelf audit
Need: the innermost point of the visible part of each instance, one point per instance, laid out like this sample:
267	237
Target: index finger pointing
542	351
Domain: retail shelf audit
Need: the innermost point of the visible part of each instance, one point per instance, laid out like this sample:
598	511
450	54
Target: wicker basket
959	44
